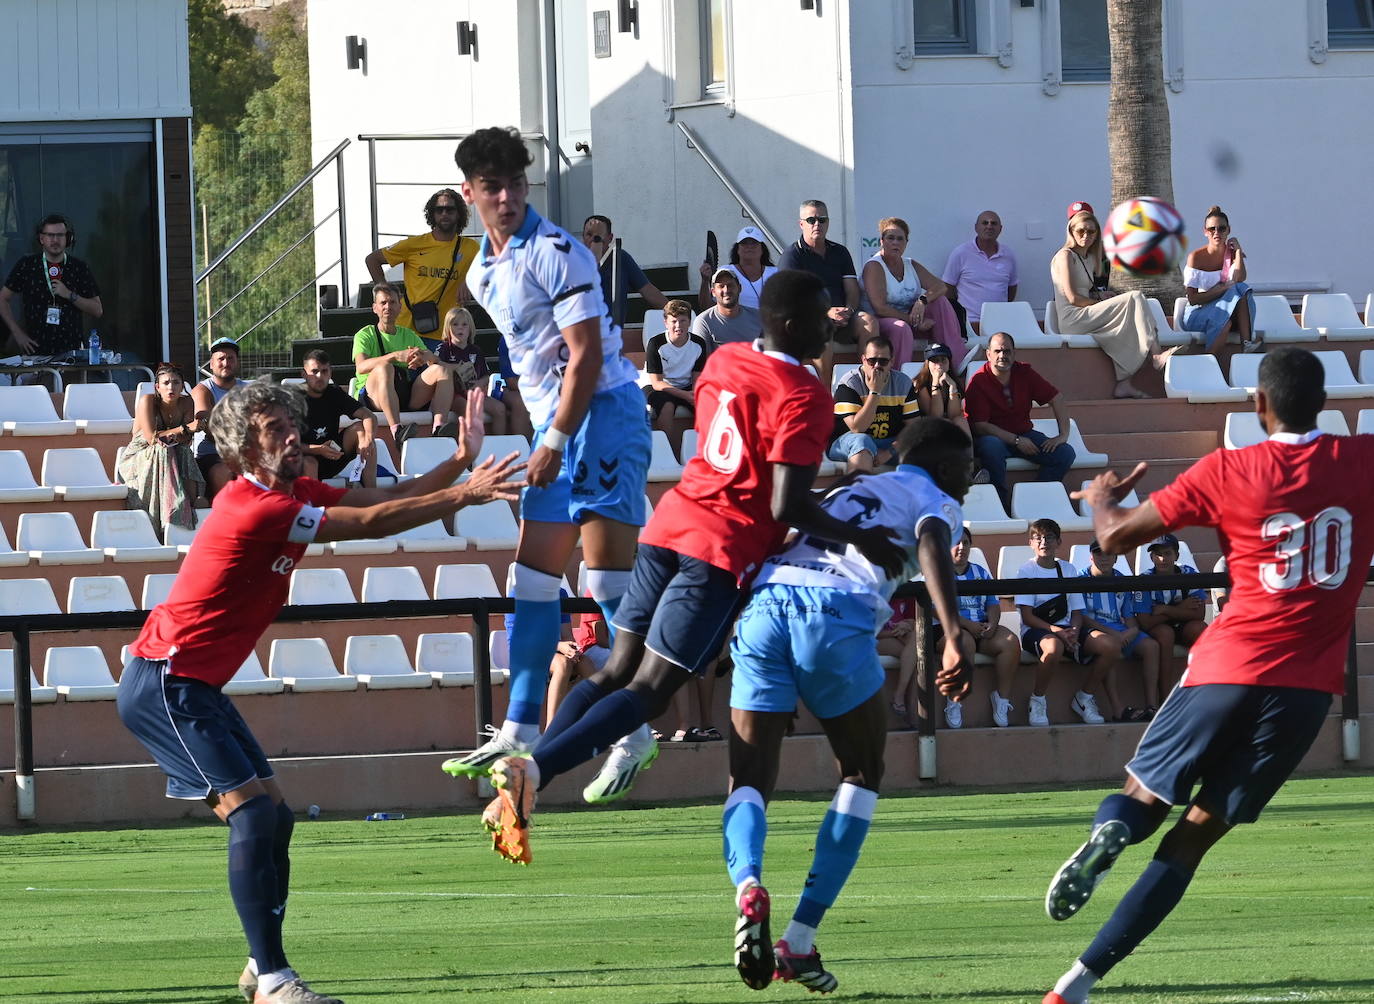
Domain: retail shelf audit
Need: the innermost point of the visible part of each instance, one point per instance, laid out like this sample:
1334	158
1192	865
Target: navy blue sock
1137	816
281	852
253	880
613	716
1141	910
576	704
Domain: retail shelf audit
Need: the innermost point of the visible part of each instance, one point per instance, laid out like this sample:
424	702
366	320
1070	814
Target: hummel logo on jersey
609	465
565	247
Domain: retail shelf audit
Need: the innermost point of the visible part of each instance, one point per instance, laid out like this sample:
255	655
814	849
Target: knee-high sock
577	703
745	827
281	857
838	843
253	880
613	716
1141	910
607	586
532	641
1135	814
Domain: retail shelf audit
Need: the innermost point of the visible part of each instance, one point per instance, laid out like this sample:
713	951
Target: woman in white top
907	298
1215	279
751	262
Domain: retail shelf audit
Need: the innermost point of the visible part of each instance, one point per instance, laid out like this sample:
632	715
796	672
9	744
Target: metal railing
752	211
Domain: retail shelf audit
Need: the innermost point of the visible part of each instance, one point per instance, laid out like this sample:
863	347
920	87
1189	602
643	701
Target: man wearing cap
871	405
982	270
1171	616
752	263
833	264
224	377
728	320
629	277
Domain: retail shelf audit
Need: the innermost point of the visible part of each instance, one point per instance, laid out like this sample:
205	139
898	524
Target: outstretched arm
1120	529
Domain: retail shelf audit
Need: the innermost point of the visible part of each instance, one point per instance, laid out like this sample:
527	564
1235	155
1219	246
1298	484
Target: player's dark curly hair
1294	380
787	295
927	441
457	201
231	420
495	150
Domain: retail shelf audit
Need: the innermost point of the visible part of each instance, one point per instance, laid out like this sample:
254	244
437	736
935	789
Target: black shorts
1030	642
331	468
659	399
206	461
402	381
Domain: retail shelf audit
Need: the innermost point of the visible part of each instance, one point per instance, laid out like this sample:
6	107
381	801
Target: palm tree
1138	133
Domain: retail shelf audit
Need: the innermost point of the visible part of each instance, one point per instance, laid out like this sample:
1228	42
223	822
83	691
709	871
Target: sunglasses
594	238
446	209
1216	230
813	220
878	360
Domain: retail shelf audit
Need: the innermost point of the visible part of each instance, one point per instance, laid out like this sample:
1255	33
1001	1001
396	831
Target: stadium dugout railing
480	610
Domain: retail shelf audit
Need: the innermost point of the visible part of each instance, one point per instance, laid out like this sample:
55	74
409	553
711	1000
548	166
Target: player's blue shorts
681	606
805	641
193	731
604	467
1241	742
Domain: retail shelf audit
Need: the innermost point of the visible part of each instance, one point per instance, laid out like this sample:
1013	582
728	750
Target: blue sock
1137	816
838	843
253	880
578	701
532	642
1140	911
613	716
745	827
607	586
281	851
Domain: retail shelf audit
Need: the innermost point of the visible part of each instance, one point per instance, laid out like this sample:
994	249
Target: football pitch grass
633	905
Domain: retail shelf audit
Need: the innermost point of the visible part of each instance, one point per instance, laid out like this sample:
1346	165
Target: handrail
730	186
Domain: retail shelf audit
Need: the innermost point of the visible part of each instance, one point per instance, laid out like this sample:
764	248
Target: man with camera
57	290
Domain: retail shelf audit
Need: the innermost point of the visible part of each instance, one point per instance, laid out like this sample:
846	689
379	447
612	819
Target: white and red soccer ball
1144	236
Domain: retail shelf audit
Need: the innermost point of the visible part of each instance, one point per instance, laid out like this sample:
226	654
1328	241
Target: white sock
519	732
800	938
252	965
267	982
1074	985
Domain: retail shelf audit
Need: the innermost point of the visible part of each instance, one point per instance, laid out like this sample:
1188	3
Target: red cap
1079	207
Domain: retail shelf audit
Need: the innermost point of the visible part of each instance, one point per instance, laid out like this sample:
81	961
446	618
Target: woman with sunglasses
907	298
1219	301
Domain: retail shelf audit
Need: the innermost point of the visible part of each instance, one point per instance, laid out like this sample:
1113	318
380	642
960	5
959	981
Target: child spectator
898	638
584	654
672	362
1110	618
460	354
1171	616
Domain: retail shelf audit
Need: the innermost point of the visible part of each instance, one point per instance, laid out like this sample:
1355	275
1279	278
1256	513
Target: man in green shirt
397	373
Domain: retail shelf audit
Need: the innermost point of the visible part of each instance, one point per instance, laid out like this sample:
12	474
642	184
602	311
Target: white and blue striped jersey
544	281
901	501
972	608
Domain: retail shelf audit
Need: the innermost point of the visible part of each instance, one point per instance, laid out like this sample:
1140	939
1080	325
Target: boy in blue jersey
981	633
1171	616
1110	617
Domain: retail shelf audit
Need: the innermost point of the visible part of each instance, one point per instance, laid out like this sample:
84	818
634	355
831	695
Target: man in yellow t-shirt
431	271
397	373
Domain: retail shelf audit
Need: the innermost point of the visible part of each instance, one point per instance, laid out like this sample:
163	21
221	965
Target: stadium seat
689	446
385	462
1018	320
1276	324
1052	329
89	594
1333	316
1364	422
305	665
21	597
1164	328
499	649
97	408
16	480
429	537
1129	502
52	538
156	587
499	446
977	557
1198	378
364	545
1179	335
1011	558
380	662
80	673
1244	373
38	693
128	535
1032	500
447	658
1142	557
388	584
913	369
983	512
1340	381
79	475
180	537
663	463
1084	457
9	557
1080	557
654	324
462	582
489	526
311	586
28	411
1365	375
838	372
422	455
250	679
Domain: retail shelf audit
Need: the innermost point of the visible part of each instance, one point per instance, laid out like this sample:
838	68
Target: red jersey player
762	421
231	587
1297	531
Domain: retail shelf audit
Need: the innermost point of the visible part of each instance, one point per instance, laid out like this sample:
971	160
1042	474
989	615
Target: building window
944	26
713	30
1350	24
1084	51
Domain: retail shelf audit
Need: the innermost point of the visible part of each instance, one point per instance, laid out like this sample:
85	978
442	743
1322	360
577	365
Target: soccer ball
1144	236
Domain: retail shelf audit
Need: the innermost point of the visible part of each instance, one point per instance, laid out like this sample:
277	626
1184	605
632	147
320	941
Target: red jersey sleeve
1042	391
275	517
1192	499
803	426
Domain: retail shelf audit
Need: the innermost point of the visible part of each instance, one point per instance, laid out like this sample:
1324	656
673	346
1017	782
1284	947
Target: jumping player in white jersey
1296	522
592	443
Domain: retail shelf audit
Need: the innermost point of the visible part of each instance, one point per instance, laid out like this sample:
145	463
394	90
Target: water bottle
313	812
379	817
93	348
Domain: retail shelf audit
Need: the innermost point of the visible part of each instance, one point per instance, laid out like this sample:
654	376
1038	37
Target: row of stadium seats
1199	378
96	408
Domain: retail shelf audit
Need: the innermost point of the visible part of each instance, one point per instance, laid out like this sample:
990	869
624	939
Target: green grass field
634	905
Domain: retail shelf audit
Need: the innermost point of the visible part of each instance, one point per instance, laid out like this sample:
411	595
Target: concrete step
1129	447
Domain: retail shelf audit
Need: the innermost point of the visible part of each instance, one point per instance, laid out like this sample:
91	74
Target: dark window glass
1084	51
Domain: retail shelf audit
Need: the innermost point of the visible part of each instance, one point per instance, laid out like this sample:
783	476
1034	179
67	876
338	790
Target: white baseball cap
750	234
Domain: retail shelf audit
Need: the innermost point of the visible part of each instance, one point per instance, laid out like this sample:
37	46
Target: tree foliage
227	64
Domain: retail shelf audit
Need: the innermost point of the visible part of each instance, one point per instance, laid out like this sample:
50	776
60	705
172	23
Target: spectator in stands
1171	616
1219	300
434	265
1120	323
833	264
581	655
982	270
507	391
699	693
938	388
157	465
57	289
752	263
1109	622
600	240
397	373
672	361
982	634
1052	628
907	299
460	354
729	320
897	638
224	377
328	448
998	404
871	405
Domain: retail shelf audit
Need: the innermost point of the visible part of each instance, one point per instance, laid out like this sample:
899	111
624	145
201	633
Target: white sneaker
1038	715
294	991
1085	707
618	773
1001	710
954	714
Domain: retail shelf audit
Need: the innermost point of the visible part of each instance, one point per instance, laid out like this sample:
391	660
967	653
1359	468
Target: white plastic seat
1080	557
156	588
499	446
447	658
1366	373
654	324
22	597
1333	315
38	693
1142	557
1130	501
179	536
385	462
128	535
1275	323
1179	335
310	586
1018	320
838	372
80	673
250	679
305	665
1364	422
1052	329
1164	328
466	581
422	455
489	526
16	480
1032	500
983	512
1243	427
1083	457
1340	381
1244	374
977	557
380	662
364	545
53	539
97	408
431	536
498	648
28	411
913	369
89	594
1011	558
9	557
689	446
663	463
79	475
1198	378
382	585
